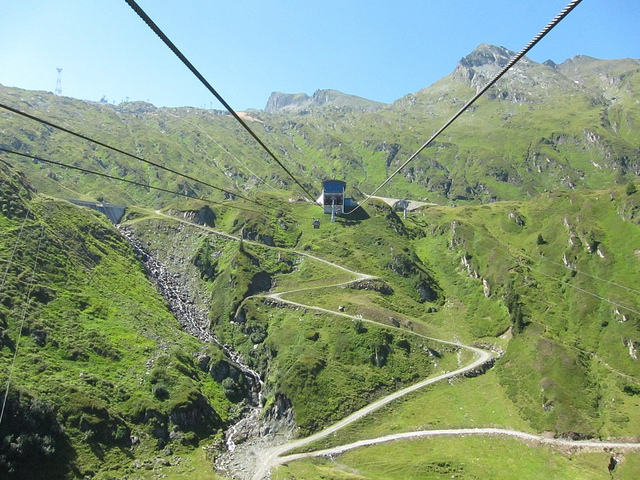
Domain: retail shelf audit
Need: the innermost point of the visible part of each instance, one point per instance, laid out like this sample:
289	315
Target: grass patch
462	457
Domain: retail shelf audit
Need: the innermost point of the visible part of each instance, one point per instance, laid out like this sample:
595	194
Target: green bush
30	436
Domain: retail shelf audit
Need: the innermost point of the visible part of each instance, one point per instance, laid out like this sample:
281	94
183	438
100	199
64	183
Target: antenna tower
59	82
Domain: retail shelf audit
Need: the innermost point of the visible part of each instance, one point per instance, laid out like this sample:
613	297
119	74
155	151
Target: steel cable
120	179
115	149
150	23
24	314
506	68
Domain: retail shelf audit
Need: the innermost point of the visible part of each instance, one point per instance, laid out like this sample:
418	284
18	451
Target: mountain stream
194	320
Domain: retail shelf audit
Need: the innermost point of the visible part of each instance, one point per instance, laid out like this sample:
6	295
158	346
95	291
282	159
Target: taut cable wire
141	13
115	149
131	182
24	314
507	67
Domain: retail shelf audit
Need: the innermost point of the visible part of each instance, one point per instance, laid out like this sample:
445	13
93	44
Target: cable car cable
580	272
507	67
204	81
120	179
115	149
616	304
24	314
518	256
13	250
264	182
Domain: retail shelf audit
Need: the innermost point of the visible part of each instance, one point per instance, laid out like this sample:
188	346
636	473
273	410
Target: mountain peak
282	102
485	55
287	102
484	63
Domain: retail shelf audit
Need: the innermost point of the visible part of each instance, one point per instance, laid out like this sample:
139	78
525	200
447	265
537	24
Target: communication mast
59	82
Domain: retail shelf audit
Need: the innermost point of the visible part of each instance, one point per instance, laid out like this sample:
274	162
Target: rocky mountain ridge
542	127
296	102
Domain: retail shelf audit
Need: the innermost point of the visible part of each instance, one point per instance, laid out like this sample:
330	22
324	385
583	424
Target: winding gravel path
271	457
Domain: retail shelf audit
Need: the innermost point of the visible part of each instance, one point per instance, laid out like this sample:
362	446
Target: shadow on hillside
354	216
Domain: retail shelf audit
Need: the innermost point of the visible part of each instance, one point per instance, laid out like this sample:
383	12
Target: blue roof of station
333	186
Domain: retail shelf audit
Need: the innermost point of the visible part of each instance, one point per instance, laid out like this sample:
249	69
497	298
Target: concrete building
332	197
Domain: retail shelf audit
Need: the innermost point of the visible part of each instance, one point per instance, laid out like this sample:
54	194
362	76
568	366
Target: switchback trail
271	457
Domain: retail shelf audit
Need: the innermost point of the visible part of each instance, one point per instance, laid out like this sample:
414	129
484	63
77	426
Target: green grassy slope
103	377
564	271
555	275
569	334
327	366
511	274
541	128
463	457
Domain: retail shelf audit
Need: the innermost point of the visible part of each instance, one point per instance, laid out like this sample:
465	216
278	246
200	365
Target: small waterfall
195	321
256	387
254	432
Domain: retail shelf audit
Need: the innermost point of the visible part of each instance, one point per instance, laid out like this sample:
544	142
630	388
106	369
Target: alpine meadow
477	318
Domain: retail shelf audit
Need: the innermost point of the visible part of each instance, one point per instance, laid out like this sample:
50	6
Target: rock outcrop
296	102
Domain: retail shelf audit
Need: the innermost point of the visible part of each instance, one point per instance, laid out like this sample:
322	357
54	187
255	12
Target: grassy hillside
534	252
463	457
551	282
103	361
102	376
541	128
565	270
327	366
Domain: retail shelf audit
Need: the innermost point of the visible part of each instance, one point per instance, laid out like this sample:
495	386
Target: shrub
160	391
31	435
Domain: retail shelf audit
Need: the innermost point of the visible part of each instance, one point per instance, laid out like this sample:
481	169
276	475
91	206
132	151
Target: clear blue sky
247	49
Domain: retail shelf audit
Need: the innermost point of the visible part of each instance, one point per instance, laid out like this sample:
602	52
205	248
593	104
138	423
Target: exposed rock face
222	369
274	427
481	369
466	263
377	285
194	414
254	236
426	292
517	218
282	102
527	82
486	288
288	102
390	149
487	55
482	64
261	282
279	418
202	216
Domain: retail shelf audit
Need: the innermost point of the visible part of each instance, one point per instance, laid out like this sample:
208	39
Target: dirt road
269	457
527	437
